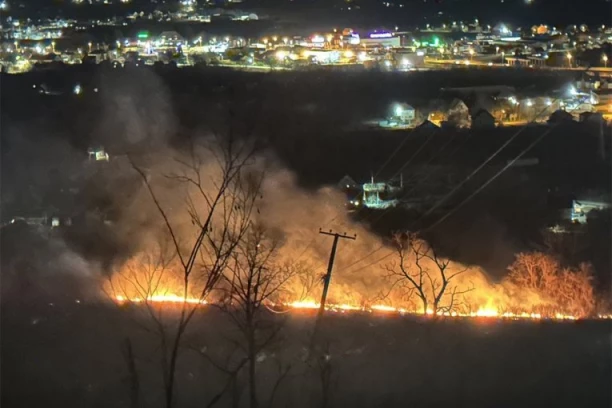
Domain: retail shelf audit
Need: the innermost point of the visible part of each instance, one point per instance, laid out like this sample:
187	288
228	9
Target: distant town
180	38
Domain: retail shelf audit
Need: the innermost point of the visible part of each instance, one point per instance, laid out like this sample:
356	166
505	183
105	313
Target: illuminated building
97	154
406	60
323	56
382	40
377	195
581	209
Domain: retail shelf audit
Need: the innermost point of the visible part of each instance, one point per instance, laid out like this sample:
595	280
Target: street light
471	53
89	44
605	60
503	58
496	50
53	46
398	110
569	59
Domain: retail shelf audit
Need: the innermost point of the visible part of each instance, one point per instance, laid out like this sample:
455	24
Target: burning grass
537	288
169	299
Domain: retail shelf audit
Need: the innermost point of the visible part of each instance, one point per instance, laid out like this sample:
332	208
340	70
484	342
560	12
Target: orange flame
168	298
312	305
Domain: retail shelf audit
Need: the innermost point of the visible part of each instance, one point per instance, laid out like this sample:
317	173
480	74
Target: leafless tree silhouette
254	278
421	271
220	199
570	290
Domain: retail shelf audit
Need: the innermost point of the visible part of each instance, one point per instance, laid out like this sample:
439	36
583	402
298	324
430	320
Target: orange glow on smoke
137	282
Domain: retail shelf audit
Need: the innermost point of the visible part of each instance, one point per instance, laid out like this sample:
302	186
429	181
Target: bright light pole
398	110
496	50
53	46
503	58
89	44
605	60
569	59
471	54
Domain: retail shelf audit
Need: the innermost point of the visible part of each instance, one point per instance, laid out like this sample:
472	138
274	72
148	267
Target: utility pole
327	277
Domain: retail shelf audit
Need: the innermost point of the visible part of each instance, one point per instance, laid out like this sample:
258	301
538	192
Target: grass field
70	355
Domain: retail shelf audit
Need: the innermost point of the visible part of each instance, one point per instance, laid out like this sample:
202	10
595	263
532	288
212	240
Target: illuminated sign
143	34
381	35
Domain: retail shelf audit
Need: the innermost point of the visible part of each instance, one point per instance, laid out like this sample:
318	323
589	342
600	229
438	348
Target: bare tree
570	290
253	278
535	270
421	271
306	279
220	198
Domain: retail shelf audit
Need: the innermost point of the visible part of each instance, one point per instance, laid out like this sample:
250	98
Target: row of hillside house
482	113
452	113
42	220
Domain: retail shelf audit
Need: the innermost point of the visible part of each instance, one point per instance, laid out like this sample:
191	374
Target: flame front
313	305
135	284
166	298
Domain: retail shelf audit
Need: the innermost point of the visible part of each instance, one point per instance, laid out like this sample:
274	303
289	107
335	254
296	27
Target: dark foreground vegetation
74	355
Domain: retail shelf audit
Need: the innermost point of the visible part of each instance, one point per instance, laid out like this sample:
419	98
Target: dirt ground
71	355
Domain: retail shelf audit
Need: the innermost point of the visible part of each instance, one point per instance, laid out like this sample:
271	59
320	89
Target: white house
403	113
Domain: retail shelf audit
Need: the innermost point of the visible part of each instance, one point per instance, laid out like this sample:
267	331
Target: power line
398	149
371	263
377	173
451	212
327	278
491	157
513	137
415	186
362	258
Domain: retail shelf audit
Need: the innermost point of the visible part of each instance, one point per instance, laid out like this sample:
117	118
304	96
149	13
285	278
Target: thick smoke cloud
136	110
118	220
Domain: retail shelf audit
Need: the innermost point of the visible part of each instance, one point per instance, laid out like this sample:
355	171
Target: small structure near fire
380	195
98	154
401	116
581	209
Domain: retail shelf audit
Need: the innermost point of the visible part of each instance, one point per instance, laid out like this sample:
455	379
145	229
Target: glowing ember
304	305
169	298
486	313
331	307
383	308
342	308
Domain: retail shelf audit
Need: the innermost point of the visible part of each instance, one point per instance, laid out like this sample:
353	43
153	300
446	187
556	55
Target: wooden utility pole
327	277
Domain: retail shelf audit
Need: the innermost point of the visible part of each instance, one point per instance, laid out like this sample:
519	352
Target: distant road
490	64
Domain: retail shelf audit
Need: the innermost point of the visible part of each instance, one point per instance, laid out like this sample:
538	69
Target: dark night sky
517	12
